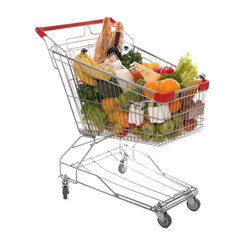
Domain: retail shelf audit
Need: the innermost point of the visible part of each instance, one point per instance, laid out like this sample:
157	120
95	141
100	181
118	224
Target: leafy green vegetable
109	88
95	114
172	75
131	57
186	70
87	92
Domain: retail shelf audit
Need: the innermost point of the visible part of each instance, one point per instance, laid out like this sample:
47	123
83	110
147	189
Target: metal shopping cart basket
132	116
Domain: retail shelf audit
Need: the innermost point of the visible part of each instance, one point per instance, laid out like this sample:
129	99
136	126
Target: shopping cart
122	172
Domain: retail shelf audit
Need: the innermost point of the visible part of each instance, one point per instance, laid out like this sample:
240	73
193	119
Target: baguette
103	40
106	28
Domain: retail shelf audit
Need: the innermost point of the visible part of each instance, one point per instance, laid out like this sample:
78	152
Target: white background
37	125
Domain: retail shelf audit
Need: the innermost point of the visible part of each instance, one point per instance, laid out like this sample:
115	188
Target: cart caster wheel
65	192
167	221
195	206
121	168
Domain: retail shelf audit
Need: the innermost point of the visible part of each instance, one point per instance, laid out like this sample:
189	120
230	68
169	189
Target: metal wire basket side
103	106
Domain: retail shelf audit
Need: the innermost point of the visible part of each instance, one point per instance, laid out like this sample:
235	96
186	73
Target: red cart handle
41	30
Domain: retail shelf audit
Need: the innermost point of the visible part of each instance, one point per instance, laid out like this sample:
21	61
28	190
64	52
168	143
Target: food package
103	42
136	113
107	63
158	112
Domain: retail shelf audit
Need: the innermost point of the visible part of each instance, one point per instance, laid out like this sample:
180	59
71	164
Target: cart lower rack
108	106
118	173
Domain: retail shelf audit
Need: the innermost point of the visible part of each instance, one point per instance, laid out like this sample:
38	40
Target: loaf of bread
103	42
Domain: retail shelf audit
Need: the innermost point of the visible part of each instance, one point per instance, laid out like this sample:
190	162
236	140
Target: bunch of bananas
85	72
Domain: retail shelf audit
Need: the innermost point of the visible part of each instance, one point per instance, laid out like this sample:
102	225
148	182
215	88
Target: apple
173	134
178	120
135	131
166	127
190	124
145	136
158	137
149	128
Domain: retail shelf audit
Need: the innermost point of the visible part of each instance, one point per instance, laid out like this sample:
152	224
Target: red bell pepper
166	70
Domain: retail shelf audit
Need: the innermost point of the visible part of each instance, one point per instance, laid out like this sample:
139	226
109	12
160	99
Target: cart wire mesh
96	114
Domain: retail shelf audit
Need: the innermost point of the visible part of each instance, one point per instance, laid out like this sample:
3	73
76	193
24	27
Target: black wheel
195	206
65	192
121	168
167	221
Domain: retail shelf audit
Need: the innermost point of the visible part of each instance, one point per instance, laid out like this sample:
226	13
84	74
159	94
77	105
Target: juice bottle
136	74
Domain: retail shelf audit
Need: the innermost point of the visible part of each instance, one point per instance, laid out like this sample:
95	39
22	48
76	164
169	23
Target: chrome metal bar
67	152
131	181
85	155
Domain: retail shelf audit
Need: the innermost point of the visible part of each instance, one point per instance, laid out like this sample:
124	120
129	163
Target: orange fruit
123	118
118	116
153	86
174	106
109	104
169	85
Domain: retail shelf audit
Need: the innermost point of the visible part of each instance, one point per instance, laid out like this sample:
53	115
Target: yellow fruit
148	74
96	65
85	58
83	76
153	64
146	64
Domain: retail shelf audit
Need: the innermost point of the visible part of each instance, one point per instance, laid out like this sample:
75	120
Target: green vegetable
109	88
87	92
131	53
131	57
141	82
95	114
186	70
173	76
134	95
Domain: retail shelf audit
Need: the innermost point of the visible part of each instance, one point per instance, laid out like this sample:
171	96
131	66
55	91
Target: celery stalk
186	70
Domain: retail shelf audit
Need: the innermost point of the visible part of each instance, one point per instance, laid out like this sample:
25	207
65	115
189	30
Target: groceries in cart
130	96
